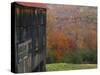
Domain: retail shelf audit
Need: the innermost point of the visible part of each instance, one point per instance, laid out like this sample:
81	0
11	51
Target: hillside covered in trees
71	34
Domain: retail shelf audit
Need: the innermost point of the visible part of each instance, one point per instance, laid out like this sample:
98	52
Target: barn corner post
45	20
43	47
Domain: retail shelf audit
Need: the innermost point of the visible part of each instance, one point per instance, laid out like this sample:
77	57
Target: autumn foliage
68	34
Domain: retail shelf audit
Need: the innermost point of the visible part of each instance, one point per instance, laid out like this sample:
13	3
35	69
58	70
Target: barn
29	39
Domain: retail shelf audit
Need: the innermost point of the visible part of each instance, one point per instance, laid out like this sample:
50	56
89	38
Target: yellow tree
61	43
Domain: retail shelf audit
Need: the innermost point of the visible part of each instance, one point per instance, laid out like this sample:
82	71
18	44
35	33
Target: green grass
65	66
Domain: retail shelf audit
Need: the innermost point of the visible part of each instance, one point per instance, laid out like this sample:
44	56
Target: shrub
50	58
84	56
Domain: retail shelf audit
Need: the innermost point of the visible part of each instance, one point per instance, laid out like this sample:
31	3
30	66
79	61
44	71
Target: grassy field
65	66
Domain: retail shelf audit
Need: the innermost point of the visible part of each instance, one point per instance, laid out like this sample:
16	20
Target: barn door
24	39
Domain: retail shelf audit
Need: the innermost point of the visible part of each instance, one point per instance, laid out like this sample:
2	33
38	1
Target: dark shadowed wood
30	38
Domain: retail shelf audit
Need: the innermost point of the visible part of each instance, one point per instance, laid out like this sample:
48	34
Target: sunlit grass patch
65	66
